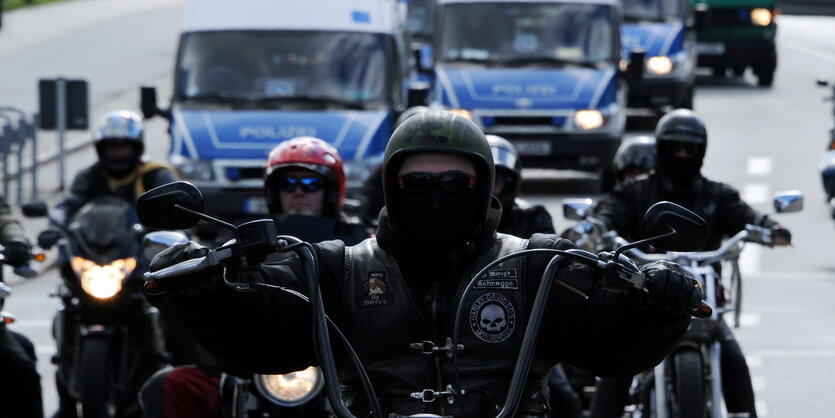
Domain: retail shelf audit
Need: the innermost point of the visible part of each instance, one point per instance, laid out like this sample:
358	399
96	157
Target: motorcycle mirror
576	209
664	217
170	206
157	241
34	209
788	201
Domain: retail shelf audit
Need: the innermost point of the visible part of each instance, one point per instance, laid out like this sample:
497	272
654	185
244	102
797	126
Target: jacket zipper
436	337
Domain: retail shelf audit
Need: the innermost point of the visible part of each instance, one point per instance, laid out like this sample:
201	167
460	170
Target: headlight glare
761	16
102	282
193	169
659	65
463	112
588	119
290	389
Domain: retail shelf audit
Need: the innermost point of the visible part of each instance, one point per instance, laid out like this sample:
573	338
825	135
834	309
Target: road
761	141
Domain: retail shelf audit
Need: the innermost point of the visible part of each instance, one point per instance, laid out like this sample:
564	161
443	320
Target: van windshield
546	33
655	10
341	69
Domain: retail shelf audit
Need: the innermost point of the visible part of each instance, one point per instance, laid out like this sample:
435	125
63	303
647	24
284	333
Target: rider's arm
734	214
258	331
608	333
618	211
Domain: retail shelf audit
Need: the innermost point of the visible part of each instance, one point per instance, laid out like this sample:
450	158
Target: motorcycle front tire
94	377
689	390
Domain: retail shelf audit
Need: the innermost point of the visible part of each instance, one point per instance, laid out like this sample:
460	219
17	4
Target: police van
252	73
547	75
662	29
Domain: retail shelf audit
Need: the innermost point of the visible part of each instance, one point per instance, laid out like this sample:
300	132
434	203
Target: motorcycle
107	335
687	383
179	205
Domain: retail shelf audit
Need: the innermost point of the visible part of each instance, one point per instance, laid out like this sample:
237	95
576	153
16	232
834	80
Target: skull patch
492	318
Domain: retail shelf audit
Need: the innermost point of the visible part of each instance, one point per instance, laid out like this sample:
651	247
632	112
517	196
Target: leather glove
17	251
781	236
48	238
671	288
186	285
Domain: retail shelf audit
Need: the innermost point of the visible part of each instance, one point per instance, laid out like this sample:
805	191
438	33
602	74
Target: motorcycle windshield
106	230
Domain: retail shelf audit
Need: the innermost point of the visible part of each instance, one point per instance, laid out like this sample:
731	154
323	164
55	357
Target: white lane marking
817	53
750	260
759	166
755	193
745	319
758	382
754	361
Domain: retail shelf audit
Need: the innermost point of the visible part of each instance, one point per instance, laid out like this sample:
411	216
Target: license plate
255	204
711	48
533	147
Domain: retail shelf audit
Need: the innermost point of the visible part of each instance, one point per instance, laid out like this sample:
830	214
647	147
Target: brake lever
193	265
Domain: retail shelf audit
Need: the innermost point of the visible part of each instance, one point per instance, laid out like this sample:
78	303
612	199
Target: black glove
781	236
48	238
671	288
17	251
182	285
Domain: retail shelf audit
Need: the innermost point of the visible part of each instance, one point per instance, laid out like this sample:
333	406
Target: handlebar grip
701	311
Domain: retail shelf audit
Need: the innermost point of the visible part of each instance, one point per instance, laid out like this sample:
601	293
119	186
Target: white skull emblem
493	319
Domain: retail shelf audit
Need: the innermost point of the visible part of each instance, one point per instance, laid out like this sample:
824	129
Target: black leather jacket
385	300
524	220
717	203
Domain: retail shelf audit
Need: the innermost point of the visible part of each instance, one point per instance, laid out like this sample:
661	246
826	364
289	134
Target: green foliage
15	4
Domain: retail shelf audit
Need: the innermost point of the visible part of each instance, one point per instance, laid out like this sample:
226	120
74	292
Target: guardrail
18	139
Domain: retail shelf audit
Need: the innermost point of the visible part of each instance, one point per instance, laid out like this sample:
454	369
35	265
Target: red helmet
313	154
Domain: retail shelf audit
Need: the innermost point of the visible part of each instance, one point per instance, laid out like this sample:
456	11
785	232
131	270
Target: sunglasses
450	181
308	184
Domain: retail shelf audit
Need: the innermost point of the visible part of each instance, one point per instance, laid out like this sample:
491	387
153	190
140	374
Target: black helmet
508	172
444	132
119	126
635	153
678	127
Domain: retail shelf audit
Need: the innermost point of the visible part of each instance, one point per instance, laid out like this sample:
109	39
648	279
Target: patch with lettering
503	279
492	318
375	290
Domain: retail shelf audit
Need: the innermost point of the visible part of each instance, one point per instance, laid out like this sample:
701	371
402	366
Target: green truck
734	35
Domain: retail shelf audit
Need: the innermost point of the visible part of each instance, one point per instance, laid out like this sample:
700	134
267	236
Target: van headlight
660	65
761	16
588	119
291	389
102	282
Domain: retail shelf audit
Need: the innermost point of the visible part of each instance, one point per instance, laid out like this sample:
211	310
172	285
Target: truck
735	35
252	73
548	75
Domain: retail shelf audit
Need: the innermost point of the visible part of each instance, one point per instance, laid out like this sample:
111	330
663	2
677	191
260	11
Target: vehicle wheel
738	70
765	78
607	180
94	378
685	101
689	392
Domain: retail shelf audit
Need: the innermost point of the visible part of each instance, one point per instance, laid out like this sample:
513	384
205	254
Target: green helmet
438	131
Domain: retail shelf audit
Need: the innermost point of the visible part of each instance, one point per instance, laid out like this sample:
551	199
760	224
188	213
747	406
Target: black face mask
438	221
679	170
119	167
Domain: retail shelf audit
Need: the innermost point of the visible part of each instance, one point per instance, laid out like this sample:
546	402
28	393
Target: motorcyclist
681	142
635	157
304	186
20	383
120	171
402	287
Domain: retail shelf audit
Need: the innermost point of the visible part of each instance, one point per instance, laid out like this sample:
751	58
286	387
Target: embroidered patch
375	290
498	279
492	318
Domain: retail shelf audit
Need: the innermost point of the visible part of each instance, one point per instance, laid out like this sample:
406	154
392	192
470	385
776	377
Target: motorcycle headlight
290	389
105	281
761	16
193	169
588	119
659	65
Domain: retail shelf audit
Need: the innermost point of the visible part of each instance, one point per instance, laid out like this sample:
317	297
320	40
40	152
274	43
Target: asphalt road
761	141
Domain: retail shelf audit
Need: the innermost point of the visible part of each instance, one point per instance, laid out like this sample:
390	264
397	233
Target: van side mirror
701	17
148	102
418	94
635	70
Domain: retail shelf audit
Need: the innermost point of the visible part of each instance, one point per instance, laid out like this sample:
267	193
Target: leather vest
406	353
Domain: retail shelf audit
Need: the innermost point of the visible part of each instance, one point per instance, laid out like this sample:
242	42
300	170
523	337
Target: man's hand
18	251
671	288
181	285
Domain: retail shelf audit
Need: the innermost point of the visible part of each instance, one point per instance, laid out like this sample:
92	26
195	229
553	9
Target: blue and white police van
252	73
547	75
662	30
